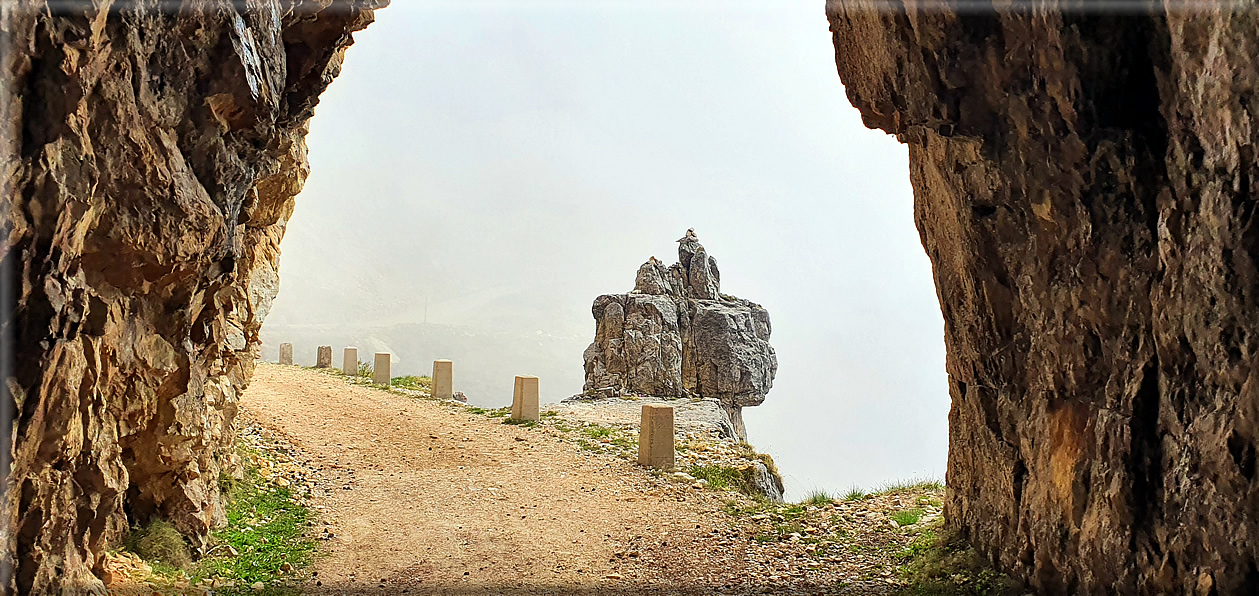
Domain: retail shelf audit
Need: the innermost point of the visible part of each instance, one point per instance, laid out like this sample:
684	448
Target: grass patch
793	511
854	494
907	517
938	562
365	370
599	437
818	497
718	476
518	422
759	505
906	486
721	477
597	432
264	540
500	413
422	383
267	527
587	445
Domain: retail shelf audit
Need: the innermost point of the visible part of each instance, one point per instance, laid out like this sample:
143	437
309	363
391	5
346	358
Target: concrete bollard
286	353
524	401
443	379
380	369
349	364
655	437
323	358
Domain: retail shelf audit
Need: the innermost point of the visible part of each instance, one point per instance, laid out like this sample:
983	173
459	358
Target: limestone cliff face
677	335
150	156
1085	188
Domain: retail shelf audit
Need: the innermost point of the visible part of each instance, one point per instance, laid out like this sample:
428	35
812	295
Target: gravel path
418	496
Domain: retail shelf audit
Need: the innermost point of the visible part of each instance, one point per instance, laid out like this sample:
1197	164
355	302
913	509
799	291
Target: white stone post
443	379
286	353
323	358
349	364
380	369
655	437
524	401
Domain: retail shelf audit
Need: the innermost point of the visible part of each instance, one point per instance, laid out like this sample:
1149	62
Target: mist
481	171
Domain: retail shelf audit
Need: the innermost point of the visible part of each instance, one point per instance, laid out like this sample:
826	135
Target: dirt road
423	497
428	498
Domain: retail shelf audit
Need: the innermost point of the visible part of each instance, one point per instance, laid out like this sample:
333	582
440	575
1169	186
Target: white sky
510	161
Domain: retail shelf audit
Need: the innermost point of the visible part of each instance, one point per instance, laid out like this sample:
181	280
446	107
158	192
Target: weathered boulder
151	156
677	335
1085	187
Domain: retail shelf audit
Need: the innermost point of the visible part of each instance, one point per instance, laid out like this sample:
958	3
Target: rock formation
677	335
151	155
1085	188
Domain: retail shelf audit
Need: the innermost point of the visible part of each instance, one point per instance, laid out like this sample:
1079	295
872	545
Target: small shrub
159	543
365	369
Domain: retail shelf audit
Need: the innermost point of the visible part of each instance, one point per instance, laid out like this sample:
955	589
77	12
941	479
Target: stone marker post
524	401
286	353
655	437
380	369
443	379
349	364
323	358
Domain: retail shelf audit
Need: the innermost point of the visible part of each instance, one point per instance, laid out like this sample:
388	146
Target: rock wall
1085	188
677	335
151	154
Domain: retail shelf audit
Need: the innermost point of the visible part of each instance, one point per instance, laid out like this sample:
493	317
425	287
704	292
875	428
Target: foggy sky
504	163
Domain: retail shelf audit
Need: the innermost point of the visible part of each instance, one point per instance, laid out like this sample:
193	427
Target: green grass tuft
854	494
907	517
914	485
524	423
818	497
